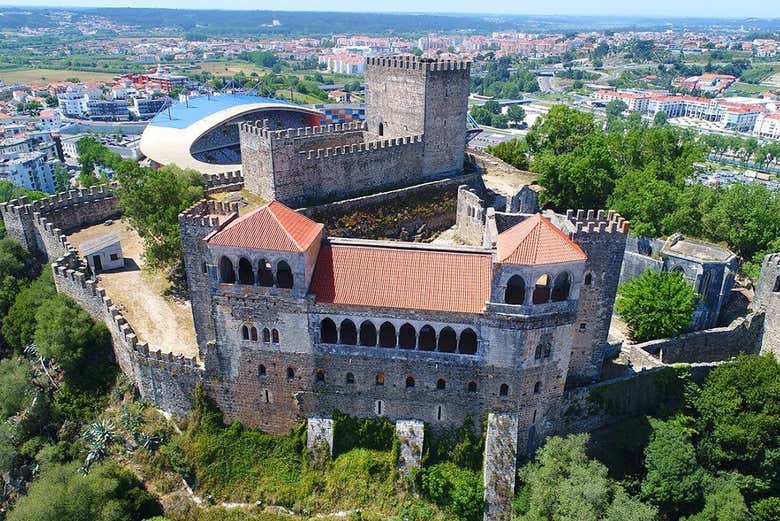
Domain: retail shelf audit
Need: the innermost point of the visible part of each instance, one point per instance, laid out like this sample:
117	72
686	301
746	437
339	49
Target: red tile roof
402	278
537	241
270	227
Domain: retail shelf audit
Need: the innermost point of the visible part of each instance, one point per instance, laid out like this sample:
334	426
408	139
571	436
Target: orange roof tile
402	278
270	227
537	241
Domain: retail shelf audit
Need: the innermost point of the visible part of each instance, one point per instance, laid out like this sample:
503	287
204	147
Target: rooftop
696	249
185	114
98	243
536	241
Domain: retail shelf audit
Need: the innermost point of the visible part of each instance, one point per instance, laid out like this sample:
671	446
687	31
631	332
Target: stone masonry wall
470	217
768	300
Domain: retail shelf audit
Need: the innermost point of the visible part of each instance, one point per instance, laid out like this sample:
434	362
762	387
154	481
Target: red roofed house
296	324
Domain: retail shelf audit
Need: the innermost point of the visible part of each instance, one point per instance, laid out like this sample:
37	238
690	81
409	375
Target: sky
654	8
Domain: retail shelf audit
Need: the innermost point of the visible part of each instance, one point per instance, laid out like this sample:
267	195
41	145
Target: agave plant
100	435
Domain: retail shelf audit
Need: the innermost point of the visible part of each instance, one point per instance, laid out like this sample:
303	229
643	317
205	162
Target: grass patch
51	75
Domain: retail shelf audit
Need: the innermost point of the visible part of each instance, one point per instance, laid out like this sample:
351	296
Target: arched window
246	274
284	275
678	269
448	340
320	376
561	286
204	268
547	350
266	335
253	334
588	279
290	373
265	275
244	333
409	382
275	336
261	370
387	336
472	387
226	273
537	387
538	351
468	342
379	379
348	333
515	290
381	129
427	339
407	337
350	378
541	290
441	384
328	334
776	288
367	334
503	390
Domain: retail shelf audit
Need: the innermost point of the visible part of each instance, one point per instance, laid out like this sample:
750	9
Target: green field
43	76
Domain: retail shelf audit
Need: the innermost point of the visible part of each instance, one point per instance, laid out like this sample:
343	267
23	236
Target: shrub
459	490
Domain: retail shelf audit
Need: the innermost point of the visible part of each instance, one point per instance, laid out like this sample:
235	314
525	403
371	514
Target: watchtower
407	95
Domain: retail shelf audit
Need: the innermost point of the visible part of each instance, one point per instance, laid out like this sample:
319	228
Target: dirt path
163	322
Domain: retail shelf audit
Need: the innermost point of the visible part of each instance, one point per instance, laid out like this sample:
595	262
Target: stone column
411	434
500	466
319	439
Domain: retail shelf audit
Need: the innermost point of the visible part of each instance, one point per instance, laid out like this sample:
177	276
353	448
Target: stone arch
537	387
244	332
441	384
468	342
227	275
265	275
290	373
379	379
261	370
538	351
407	337
319	376
387	336
471	387
588	279
409	382
349	379
776	287
503	390
367	334
561	287
266	335
515	290
427	341
541	290
381	129
284	275
448	340
328	332
347	332
253	334
275	336
246	274
679	269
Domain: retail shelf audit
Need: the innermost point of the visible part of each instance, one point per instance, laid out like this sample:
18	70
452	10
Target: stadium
202	133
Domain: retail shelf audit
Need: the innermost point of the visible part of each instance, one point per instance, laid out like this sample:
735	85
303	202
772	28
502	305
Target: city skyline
659	9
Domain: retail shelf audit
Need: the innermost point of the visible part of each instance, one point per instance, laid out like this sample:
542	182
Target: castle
292	324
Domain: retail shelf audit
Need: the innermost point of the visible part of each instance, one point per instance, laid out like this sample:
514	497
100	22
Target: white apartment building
30	170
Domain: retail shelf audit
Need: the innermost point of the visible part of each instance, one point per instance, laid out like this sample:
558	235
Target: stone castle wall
768	301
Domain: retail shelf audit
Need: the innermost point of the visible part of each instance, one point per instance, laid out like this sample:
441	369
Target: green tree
660	119
514	152
19	323
560	131
457	489
516	113
562	483
645	200
65	333
16	390
108	493
723	502
674	478
616	108
656	305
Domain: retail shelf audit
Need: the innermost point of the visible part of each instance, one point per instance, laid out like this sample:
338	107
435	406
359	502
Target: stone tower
408	96
603	238
768	300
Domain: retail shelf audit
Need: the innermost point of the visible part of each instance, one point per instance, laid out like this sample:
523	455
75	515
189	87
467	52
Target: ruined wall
710	345
768	300
470	216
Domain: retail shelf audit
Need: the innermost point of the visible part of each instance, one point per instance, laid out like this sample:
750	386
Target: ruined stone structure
768	300
415	132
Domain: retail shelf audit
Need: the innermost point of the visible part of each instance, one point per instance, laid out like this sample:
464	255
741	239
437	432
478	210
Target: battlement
416	63
72	279
222	179
262	130
601	221
206	213
58	201
358	148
